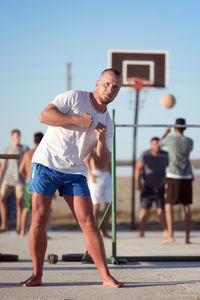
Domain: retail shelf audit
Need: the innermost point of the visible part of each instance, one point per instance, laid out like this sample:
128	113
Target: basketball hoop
138	83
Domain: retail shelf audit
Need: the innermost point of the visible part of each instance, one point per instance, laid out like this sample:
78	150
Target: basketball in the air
167	101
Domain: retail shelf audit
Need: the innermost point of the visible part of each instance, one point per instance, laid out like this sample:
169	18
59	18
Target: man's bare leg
24	220
161	215
143	218
3	206
187	223
82	207
41	206
96	211
170	221
18	214
104	226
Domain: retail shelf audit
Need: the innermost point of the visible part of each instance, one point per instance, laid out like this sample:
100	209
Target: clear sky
38	38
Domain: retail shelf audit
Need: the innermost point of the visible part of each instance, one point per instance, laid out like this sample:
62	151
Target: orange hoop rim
138	82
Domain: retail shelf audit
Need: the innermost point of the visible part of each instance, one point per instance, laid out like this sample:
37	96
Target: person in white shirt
100	185
77	122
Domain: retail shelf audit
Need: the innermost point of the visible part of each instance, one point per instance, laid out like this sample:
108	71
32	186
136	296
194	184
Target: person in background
100	185
179	177
150	181
25	170
12	180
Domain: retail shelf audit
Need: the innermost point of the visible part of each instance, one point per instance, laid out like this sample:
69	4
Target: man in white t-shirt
77	122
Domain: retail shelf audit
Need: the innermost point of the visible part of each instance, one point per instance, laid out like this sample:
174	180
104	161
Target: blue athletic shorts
46	181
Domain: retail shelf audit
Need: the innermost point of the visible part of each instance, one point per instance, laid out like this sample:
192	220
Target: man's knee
3	199
86	221
40	219
160	212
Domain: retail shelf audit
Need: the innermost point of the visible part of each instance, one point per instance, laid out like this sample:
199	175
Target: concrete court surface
77	281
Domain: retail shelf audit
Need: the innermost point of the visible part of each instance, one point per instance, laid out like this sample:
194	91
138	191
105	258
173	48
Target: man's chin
106	100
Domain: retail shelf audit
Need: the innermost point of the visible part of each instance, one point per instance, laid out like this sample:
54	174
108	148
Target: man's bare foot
167	241
32	281
3	229
187	241
112	282
18	230
165	234
140	235
22	233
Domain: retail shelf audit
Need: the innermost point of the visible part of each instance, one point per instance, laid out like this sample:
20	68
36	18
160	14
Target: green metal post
113	168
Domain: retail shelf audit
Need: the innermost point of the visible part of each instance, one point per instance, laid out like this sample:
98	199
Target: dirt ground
61	214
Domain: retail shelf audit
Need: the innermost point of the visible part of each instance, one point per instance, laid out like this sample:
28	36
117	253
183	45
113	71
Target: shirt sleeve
164	142
191	144
141	158
6	150
66	101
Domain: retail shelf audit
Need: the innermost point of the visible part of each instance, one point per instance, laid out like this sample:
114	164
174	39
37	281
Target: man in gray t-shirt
12	180
179	177
150	180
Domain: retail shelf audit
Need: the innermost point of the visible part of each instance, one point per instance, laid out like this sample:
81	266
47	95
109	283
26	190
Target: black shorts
179	191
149	195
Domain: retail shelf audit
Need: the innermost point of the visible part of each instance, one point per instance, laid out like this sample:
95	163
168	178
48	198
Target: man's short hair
180	121
16	130
116	72
37	137
155	138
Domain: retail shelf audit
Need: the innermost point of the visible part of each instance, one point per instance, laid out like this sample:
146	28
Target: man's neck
155	153
97	104
15	146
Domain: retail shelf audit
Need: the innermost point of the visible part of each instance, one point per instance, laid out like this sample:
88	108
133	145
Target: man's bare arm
138	168
102	154
53	117
22	166
2	168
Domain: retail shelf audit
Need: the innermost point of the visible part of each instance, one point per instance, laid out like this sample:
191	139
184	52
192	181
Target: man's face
155	147
16	137
108	86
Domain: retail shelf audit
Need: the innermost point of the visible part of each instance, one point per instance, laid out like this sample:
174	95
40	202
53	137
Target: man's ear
97	83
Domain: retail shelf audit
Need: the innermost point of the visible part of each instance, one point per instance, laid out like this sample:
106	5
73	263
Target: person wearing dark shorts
150	180
179	177
150	195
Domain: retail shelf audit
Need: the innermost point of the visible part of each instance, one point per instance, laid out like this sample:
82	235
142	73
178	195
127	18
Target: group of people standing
78	139
166	178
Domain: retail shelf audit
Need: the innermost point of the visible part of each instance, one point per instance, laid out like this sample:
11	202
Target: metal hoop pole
134	155
113	168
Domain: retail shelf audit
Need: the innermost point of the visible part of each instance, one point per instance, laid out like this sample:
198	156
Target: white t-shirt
65	148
